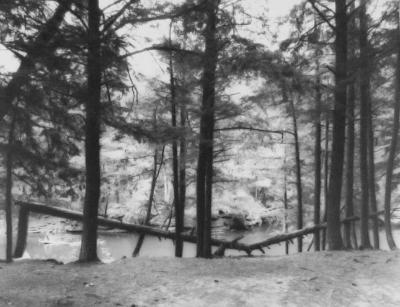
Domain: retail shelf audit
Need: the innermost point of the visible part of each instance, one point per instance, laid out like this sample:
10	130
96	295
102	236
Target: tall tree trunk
350	167
371	177
205	159
286	207
175	165
38	47
155	173
326	178
298	176
8	198
182	164
339	122
350	144
364	96
393	144
317	157
88	250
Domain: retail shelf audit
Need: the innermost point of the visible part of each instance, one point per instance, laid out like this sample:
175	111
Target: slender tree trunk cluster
345	93
393	144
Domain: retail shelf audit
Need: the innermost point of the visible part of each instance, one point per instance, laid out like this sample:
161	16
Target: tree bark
298	176
334	237
317	157
8	198
350	167
23	221
393	144
370	131
364	96
371	176
182	165
88	251
285	204
326	178
35	51
205	159
350	144
175	164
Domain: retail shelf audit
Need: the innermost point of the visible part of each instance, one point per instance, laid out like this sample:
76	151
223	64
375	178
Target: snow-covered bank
365	278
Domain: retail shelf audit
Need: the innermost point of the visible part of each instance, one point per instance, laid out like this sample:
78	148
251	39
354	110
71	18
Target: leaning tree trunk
205	159
88	250
364	96
334	237
298	176
155	174
393	145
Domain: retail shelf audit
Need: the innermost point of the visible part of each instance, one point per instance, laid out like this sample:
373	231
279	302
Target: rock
237	222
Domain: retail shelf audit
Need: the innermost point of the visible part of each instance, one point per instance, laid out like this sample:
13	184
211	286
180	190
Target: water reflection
64	246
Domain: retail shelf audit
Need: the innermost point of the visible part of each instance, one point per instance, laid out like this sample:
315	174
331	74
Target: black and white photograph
199	153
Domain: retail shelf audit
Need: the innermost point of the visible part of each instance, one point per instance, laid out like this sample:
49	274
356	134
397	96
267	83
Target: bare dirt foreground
312	279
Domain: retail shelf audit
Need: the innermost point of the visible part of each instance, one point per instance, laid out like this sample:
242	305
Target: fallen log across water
27	207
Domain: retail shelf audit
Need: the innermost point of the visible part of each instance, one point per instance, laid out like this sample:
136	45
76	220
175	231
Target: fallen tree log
27	207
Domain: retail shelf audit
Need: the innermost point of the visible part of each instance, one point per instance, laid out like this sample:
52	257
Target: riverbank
366	278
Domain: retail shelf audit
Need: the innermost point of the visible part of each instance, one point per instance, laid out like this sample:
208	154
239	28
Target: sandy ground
312	279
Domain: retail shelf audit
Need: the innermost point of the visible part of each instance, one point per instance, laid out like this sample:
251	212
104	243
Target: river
47	239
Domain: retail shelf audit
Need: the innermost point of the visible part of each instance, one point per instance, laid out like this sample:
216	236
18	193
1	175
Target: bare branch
280	132
117	15
161	47
321	14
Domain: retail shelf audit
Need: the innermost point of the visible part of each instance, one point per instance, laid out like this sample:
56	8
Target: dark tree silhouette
88	250
207	122
334	237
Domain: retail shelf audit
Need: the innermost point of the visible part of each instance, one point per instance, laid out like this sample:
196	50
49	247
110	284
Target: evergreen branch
178	12
34	52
